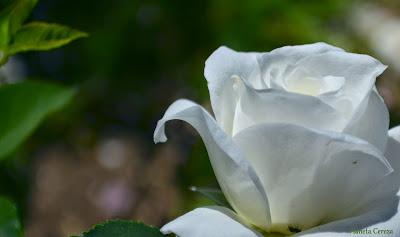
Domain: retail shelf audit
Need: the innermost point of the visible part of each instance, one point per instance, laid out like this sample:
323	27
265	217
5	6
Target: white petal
296	52
390	184
359	71
386	214
385	217
277	106
235	175
277	62
370	121
210	222
393	149
255	68
311	176
395	133
219	69
289	55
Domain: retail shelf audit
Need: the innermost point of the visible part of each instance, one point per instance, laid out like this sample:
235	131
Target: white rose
299	143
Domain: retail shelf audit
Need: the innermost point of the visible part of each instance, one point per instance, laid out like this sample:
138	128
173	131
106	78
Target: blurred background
96	159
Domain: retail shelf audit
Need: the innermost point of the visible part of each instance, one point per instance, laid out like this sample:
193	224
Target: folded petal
389	186
370	121
383	220
359	70
211	222
385	214
235	175
219	69
277	106
310	176
275	64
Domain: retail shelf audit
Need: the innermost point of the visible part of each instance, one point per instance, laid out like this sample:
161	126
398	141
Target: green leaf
20	12
42	36
9	223
23	106
213	194
4	32
12	17
121	228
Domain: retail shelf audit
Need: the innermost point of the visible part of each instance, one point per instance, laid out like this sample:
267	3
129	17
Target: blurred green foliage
24	104
9	222
142	55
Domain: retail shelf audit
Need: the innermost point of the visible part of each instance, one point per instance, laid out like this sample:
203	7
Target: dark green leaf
42	36
9	223
120	228
213	194
23	106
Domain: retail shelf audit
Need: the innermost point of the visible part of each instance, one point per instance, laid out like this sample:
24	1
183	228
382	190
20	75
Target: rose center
306	82
314	86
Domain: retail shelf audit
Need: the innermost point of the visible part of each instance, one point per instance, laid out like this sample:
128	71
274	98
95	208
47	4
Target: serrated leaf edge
96	226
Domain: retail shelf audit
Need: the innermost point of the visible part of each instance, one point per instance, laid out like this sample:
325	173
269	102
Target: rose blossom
299	145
